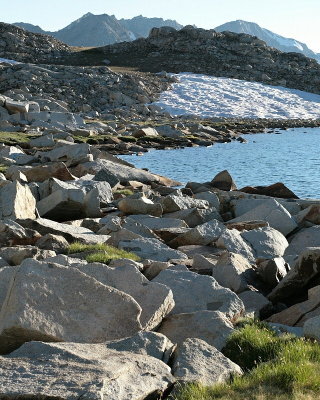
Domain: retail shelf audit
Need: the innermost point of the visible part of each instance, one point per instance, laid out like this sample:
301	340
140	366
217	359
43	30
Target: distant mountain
29	27
141	26
99	30
272	39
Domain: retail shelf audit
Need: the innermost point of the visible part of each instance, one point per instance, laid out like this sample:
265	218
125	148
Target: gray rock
311	328
273	213
272	271
196	361
89	371
52	242
15	255
151	249
155	223
210	197
106	176
193	292
69	232
306	268
152	344
173	203
233	241
42	141
224	181
155	300
54	303
309	237
211	326
233	271
140	206
266	242
17	201
200	235
253	302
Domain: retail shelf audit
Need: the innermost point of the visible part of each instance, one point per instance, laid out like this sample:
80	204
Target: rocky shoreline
110	277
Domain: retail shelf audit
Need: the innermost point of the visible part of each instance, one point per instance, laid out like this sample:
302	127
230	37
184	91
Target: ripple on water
291	158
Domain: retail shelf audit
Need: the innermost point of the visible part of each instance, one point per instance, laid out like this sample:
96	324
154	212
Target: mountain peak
272	39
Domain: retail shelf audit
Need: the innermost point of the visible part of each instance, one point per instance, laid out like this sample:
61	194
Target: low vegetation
125	192
101	253
12	138
277	368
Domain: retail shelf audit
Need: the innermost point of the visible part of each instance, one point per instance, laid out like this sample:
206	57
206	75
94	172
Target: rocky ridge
224	54
20	45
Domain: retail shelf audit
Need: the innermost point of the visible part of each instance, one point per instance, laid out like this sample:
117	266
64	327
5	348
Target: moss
101	252
12	138
126	192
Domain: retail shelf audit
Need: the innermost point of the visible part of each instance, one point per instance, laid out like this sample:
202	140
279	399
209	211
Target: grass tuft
101	252
278	368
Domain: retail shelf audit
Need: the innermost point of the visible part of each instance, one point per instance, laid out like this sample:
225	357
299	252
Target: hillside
272	39
202	51
20	45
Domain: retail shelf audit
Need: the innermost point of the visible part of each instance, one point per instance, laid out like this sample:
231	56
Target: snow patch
209	96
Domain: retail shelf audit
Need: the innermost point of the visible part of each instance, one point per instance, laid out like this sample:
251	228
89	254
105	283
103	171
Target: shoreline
214	131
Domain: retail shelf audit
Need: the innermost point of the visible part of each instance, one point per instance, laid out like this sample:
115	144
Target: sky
298	19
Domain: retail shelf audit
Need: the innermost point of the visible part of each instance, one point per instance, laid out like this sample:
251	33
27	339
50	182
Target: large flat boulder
88	371
211	326
272	212
52	303
155	300
123	173
196	361
193	292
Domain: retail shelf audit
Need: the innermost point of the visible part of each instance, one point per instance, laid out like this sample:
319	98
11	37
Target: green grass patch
101	252
3	168
126	192
253	344
278	368
11	138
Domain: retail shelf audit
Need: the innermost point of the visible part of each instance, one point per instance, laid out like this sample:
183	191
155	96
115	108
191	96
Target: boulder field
76	320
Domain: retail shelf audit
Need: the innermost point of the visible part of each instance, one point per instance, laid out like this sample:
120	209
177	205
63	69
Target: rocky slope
225	54
20	45
272	39
99	30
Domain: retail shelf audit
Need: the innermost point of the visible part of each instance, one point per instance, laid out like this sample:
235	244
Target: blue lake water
292	157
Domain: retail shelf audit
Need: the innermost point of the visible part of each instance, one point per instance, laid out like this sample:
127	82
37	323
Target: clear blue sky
291	18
